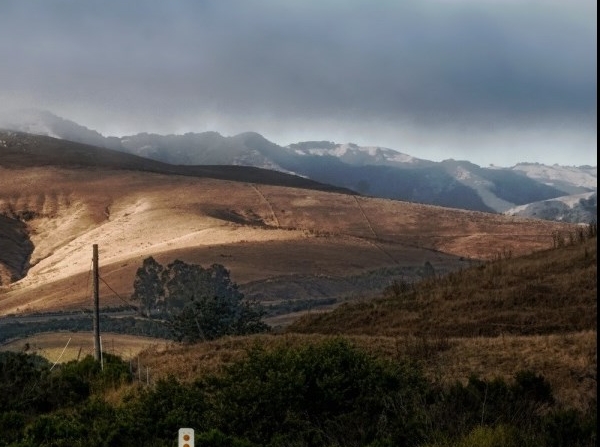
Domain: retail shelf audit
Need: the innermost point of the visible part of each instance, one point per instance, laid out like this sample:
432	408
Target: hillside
282	244
573	208
536	312
542	293
533	312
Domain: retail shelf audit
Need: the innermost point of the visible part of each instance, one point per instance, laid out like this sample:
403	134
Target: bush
215	438
483	436
329	394
570	428
58	429
22	381
159	412
12	424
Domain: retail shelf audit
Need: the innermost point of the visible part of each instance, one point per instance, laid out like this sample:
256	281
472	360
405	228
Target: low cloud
433	67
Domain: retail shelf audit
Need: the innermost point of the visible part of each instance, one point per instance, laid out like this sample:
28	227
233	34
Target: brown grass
548	292
536	312
566	357
568	361
257	231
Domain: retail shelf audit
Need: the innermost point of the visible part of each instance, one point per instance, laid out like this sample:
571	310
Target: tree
213	306
201	303
148	287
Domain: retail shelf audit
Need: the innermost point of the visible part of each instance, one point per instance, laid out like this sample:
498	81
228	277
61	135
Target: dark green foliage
331	394
532	388
120	325
113	372
59	429
12	424
327	394
148	288
159	412
460	407
216	438
23	382
570	428
496	436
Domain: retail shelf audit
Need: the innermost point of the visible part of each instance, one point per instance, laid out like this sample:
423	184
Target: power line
118	296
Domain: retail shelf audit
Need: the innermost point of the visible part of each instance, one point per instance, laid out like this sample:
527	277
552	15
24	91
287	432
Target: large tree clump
199	303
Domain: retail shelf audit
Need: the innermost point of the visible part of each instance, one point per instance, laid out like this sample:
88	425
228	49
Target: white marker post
186	437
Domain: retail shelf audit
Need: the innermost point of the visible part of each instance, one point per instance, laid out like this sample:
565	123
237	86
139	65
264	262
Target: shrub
460	408
570	428
329	394
160	411
22	380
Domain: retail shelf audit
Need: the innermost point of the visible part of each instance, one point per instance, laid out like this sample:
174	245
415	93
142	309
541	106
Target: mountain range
564	193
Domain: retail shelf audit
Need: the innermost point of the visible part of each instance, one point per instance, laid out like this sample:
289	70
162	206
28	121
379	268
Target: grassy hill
547	292
287	241
497	299
21	150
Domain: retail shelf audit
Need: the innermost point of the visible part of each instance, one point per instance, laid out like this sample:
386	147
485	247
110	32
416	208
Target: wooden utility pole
96	317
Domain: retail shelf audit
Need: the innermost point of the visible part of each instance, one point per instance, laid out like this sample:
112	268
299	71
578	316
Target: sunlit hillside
58	199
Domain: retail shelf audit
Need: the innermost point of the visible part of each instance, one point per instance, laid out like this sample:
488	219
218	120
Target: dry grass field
449	331
447	348
535	312
554	291
568	361
63	347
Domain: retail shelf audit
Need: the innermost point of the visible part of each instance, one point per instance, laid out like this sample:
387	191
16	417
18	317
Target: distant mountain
570	179
374	171
573	208
355	155
22	150
42	122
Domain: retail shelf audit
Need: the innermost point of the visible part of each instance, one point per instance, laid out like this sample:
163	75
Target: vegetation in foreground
325	394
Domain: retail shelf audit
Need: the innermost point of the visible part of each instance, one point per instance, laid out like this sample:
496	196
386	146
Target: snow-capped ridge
576	208
352	153
579	176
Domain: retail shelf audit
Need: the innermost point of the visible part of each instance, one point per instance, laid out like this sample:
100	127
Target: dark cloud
430	67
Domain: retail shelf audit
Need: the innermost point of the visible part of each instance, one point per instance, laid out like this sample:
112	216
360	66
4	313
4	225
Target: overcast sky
490	81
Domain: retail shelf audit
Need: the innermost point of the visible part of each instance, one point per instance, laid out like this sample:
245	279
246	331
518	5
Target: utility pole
96	317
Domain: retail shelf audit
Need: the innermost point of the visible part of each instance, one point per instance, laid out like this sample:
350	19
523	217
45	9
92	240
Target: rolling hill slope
282	237
542	293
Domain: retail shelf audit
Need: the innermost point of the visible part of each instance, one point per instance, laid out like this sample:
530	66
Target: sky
489	81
